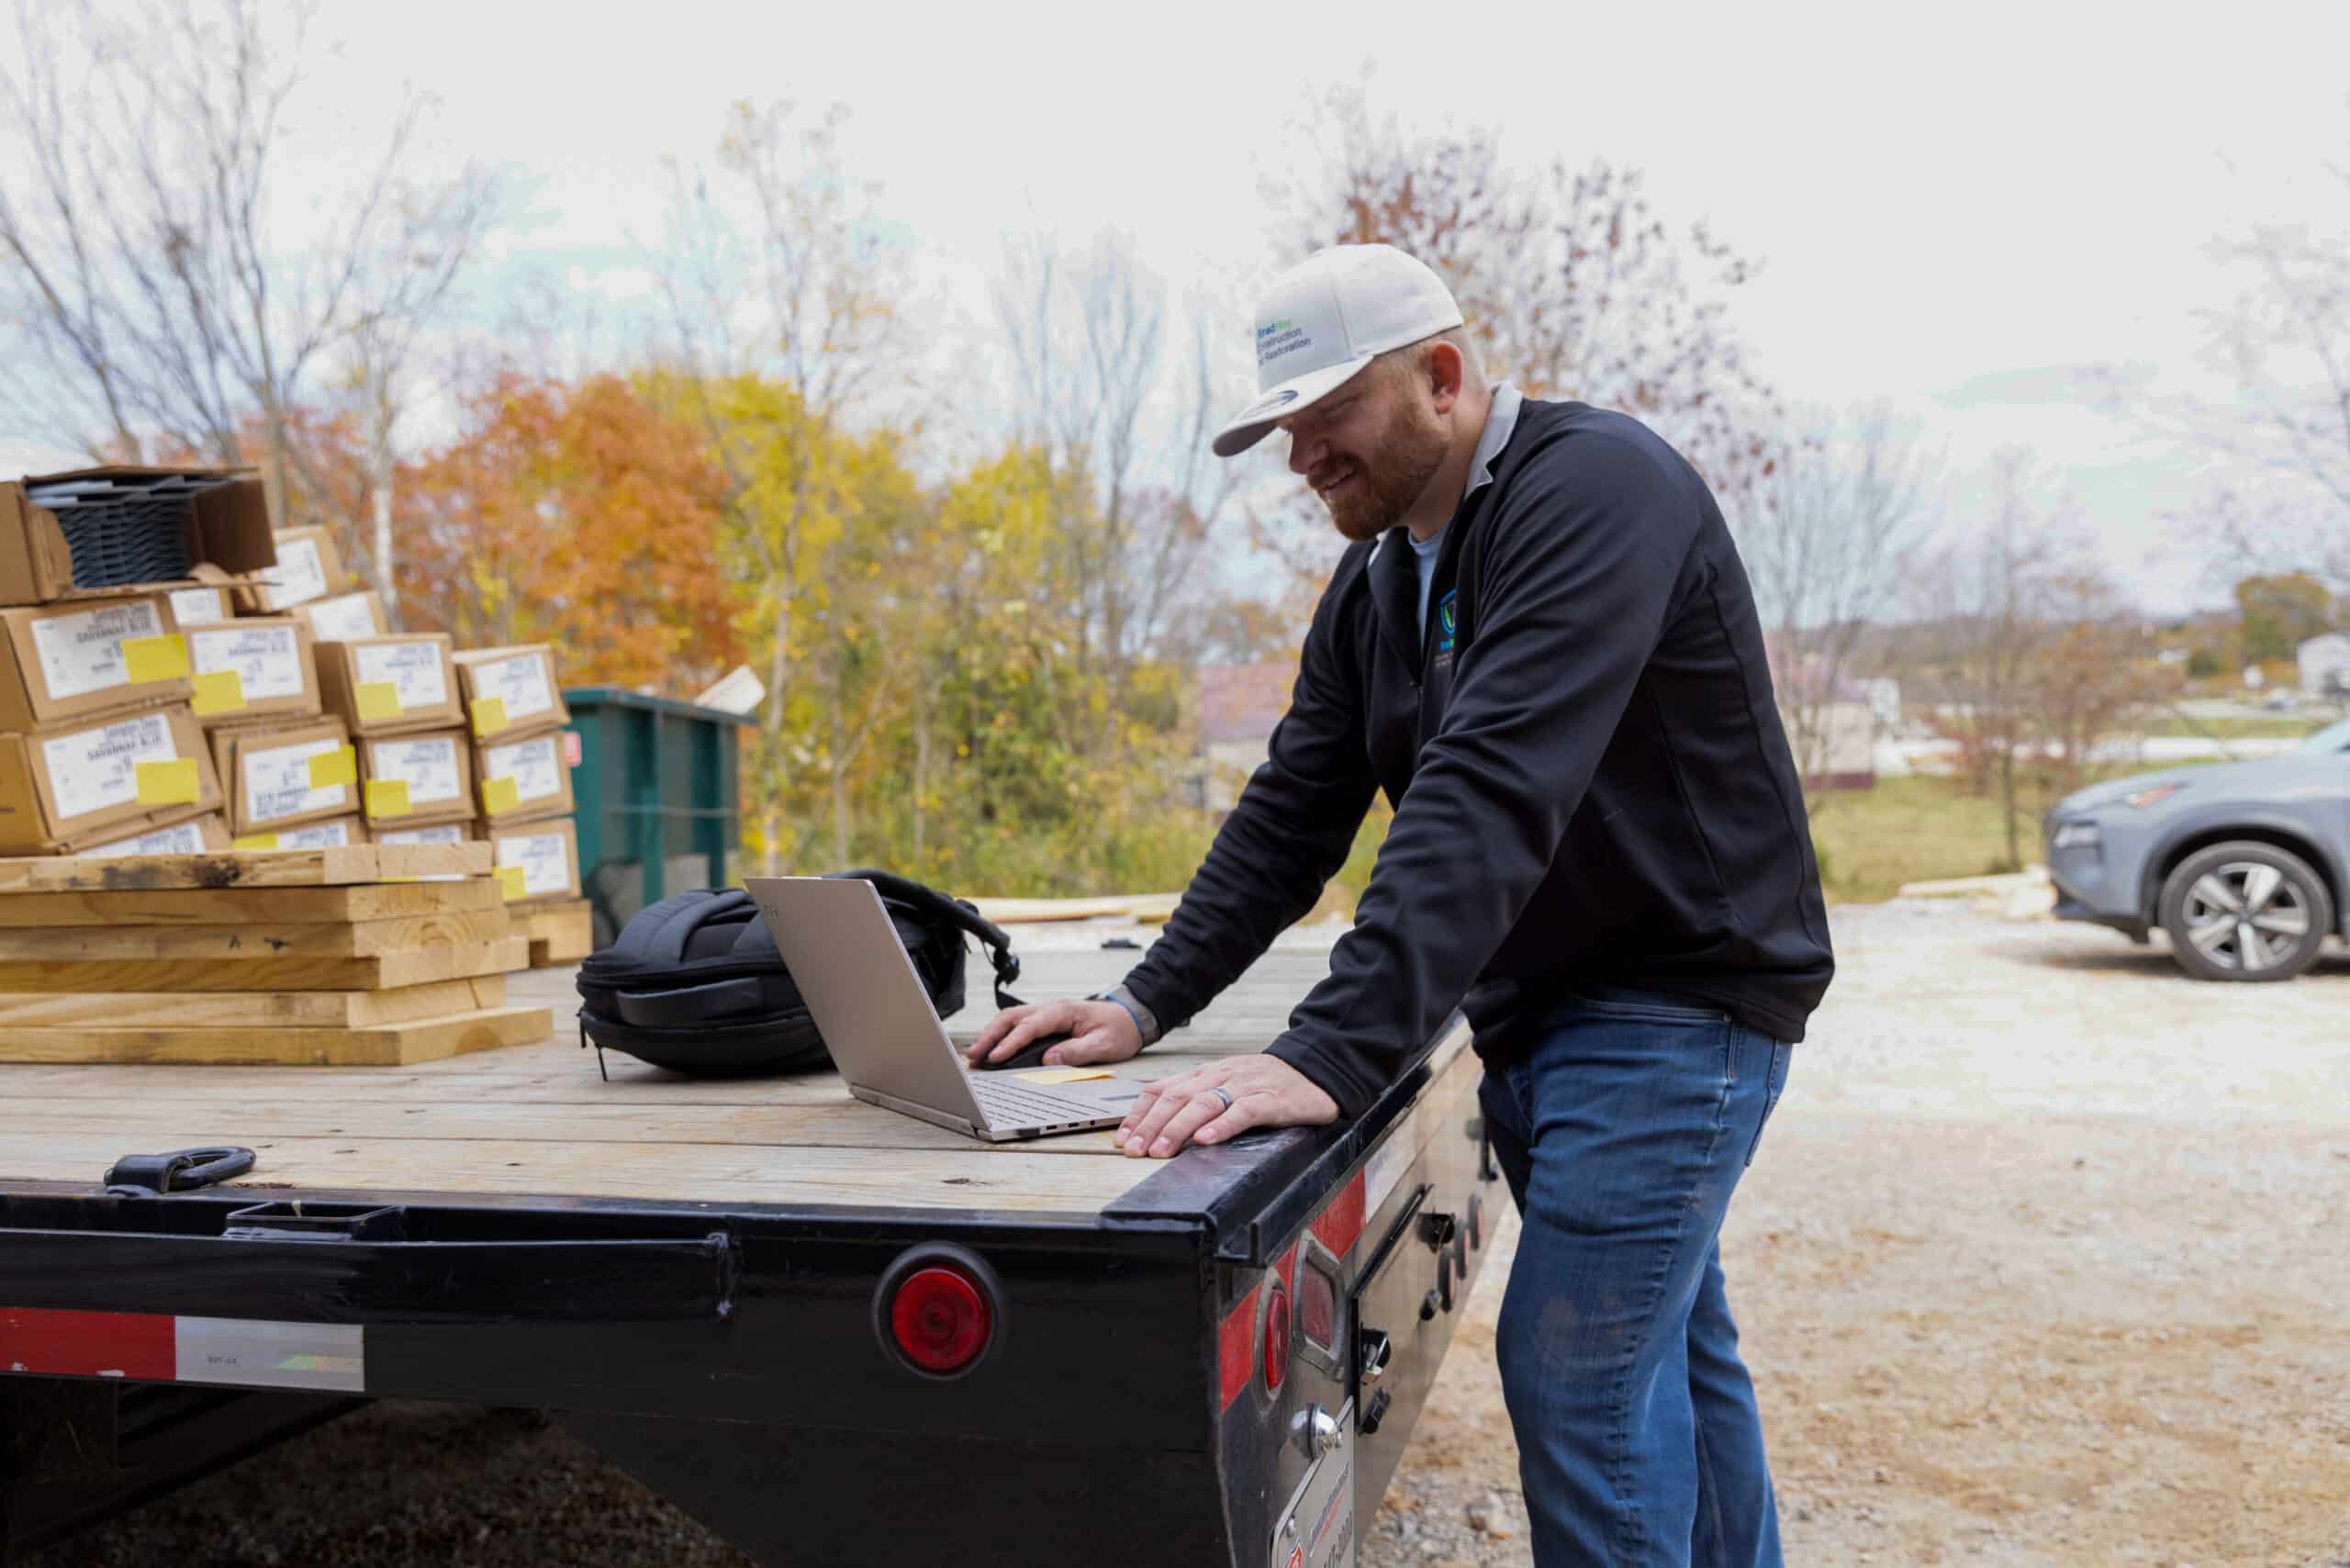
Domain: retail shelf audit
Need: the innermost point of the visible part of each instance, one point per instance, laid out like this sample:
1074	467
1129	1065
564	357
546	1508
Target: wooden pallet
365	955
338	866
559	933
388	1045
382	972
251	906
238	944
242	1009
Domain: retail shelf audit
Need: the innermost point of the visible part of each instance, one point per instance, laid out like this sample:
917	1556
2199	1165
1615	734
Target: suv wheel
2245	912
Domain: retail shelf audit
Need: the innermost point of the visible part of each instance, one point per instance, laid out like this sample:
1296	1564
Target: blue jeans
1623	1132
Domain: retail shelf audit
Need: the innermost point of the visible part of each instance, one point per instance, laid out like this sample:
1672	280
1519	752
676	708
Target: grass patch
1870	842
1912	830
2171	727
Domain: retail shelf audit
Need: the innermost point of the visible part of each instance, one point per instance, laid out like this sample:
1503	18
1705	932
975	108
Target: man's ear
1445	371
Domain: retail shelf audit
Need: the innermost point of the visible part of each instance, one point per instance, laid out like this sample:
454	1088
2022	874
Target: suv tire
2245	900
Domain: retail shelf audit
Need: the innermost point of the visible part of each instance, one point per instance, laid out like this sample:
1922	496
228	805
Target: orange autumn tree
578	515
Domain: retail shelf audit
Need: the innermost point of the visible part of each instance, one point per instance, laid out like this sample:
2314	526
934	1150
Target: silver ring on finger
1224	1095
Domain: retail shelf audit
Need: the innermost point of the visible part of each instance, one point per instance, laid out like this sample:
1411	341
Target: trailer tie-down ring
181	1170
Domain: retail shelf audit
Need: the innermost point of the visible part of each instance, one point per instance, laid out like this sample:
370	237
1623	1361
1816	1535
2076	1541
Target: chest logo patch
1444	621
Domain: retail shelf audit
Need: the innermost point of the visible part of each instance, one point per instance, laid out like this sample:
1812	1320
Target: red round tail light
1276	1337
940	1320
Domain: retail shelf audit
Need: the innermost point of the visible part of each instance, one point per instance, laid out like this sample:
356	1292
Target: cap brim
1277	403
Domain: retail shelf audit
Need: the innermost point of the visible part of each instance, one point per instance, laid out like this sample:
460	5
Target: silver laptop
885	1037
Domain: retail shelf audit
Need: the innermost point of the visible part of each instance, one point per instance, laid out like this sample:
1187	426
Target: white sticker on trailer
253	1354
1420	1127
1317	1527
1388	1163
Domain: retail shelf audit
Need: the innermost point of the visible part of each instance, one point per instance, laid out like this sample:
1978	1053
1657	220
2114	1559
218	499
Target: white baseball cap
1326	318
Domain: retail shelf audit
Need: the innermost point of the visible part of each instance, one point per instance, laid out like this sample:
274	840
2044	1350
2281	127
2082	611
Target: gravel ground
2042	1263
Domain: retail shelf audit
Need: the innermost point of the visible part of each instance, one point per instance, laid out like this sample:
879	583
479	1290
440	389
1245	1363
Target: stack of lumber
364	955
559	933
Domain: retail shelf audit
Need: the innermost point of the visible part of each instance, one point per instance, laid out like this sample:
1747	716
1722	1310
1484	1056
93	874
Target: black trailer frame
1222	1366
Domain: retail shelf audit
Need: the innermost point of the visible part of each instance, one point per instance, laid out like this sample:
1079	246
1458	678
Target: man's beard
1404	457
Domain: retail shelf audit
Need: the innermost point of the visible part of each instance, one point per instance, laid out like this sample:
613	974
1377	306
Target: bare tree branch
169	297
1829	549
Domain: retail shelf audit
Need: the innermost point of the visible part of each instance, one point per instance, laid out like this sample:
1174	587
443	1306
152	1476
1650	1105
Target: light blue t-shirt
1424	555
1501	421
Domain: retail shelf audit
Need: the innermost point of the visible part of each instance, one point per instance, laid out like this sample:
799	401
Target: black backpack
694	984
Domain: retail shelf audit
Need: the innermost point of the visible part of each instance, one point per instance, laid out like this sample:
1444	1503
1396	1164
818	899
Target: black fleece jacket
1591	783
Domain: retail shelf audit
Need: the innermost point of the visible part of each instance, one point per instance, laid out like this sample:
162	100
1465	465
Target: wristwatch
1145	1023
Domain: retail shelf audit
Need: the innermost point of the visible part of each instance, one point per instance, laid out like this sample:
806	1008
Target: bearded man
1542	646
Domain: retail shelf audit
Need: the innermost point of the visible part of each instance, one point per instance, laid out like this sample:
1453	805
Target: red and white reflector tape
247	1352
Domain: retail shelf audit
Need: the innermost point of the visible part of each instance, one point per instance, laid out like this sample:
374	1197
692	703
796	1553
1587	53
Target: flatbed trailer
1216	1359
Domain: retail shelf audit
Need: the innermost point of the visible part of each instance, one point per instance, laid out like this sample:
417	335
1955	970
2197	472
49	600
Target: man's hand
1097	1031
1266	1092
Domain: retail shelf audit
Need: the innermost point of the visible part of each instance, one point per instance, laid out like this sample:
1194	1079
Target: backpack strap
954	911
659	933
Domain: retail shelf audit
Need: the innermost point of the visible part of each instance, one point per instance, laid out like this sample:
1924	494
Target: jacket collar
1395	575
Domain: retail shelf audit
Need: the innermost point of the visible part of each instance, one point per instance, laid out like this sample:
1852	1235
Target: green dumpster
659	799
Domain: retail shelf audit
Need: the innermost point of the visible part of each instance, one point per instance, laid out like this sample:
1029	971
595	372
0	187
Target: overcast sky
1955	206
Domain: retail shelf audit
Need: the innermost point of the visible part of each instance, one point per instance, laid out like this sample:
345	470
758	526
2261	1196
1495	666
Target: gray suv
2246	865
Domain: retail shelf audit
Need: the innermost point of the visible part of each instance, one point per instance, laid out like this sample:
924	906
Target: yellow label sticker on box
500	795
329	768
387	798
170	783
254	841
219	692
378	699
155	658
1063	1074
489	715
516	882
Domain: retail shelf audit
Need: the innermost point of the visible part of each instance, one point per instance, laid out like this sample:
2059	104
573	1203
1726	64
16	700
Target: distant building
1240	705
2324	663
1832	721
1883	694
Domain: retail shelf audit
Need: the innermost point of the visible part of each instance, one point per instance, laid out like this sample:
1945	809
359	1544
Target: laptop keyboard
1018	1106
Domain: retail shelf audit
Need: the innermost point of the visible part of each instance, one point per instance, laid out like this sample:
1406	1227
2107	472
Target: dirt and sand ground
2046	1260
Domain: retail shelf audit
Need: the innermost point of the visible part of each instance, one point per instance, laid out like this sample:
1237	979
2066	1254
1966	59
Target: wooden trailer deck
538	1120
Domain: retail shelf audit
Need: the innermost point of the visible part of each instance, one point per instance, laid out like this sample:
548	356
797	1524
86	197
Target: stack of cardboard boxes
102	750
286	762
98	745
521	772
263	703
